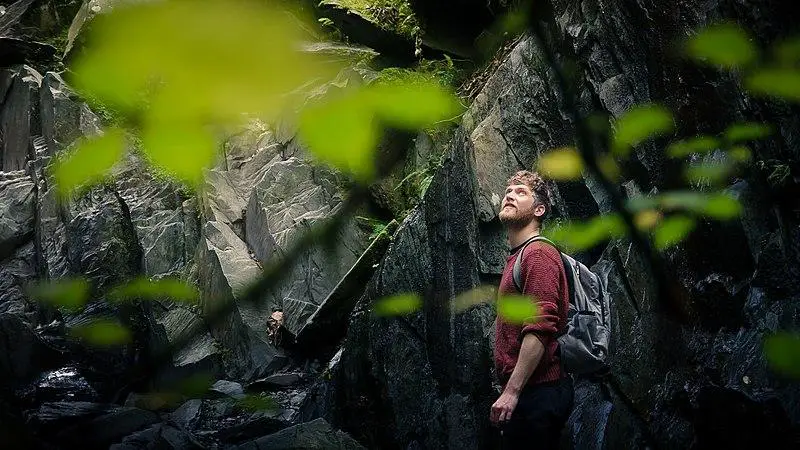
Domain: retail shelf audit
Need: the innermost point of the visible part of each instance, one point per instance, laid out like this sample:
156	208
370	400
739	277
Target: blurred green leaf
577	236
103	333
89	162
70	294
218	75
561	164
640	123
517	309
722	206
647	219
724	45
787	51
181	152
342	132
672	230
412	103
146	289
699	144
195	385
255	403
608	167
774	82
782	351
481	294
713	172
740	154
396	305
747	131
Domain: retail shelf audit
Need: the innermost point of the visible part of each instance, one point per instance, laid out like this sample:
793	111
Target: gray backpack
584	344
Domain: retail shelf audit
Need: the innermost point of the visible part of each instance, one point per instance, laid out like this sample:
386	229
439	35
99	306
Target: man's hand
504	407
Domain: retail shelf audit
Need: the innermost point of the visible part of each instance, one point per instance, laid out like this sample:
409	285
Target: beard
515	218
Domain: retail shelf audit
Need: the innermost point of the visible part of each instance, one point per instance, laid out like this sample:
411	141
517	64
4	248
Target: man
537	395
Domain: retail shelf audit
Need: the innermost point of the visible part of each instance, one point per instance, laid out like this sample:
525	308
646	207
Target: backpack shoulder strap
517	270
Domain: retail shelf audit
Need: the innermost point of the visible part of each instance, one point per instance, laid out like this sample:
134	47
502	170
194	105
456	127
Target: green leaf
561	164
699	144
672	230
722	206
396	305
89	163
773	82
782	351
517	309
145	289
255	403
412	104
70	294
740	154
747	131
787	51
647	219
182	152
342	132
712	172
640	123
103	333
723	45
608	167
476	296
577	236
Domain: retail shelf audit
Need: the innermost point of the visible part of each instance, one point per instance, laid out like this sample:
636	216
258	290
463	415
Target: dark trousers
540	416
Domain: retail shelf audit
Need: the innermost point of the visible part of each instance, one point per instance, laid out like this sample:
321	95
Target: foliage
391	15
181	89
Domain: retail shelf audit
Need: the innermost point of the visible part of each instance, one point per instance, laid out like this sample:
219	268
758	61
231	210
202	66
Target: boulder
316	434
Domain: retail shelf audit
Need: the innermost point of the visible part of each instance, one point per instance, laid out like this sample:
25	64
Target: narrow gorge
331	373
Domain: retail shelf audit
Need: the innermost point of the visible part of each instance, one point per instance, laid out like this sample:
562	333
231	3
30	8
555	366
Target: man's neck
516	236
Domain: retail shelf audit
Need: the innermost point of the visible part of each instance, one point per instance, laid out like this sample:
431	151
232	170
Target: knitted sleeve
541	279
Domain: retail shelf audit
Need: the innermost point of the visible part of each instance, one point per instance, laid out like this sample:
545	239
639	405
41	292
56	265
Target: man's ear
539	210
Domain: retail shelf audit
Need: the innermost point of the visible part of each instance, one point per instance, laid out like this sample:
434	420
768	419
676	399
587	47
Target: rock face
666	372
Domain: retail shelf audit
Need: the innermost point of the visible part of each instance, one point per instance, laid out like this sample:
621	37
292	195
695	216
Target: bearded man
537	395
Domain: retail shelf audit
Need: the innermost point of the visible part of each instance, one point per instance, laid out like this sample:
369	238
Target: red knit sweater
543	278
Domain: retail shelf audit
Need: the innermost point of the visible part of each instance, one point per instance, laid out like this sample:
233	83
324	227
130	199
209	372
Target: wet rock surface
281	376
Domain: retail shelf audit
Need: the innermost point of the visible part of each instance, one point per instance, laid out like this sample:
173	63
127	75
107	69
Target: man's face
518	206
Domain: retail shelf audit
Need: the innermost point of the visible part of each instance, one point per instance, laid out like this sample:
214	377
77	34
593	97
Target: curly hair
539	188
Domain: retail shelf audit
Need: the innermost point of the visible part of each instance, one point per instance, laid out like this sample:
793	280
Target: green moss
391	15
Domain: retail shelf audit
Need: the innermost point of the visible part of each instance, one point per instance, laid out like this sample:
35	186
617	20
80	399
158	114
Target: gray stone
64	117
201	353
327	325
101	240
159	436
291	197
17	207
226	270
187	414
228	388
19	118
316	434
157	213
